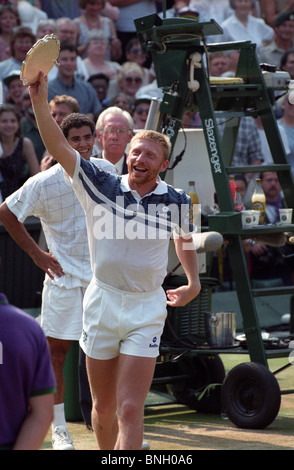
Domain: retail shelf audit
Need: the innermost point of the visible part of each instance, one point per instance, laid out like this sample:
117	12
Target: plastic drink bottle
238	203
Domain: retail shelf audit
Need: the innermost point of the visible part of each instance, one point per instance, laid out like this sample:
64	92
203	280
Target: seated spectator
267	262
60	107
287	123
242	25
134	53
22	40
27	381
248	146
140	112
9	19
266	151
97	46
91	18
219	10
67	84
28	125
282	42
242	184
234	56
218	63
63	105
16	151
100	82
129	80
14	89
46	26
287	63
67	30
128	11
123	101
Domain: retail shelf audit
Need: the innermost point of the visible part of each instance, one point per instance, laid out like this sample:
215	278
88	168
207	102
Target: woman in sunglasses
129	80
134	53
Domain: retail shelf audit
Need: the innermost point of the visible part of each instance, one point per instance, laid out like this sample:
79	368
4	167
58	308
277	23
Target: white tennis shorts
62	311
118	321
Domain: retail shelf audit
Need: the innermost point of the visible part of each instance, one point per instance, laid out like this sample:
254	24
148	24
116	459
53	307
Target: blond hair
154	136
69	101
129	67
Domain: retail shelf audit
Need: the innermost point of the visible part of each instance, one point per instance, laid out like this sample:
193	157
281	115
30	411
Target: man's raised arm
52	136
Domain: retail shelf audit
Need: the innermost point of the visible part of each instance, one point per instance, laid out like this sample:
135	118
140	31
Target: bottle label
259	206
239	206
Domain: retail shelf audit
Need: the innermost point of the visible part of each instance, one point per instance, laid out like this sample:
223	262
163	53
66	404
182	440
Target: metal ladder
178	50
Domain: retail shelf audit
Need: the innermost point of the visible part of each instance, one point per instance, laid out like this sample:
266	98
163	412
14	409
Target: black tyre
199	372
251	396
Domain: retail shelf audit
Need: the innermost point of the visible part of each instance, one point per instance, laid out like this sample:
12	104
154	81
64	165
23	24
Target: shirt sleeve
27	200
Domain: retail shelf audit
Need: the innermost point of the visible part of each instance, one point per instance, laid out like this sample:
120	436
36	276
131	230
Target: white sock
59	416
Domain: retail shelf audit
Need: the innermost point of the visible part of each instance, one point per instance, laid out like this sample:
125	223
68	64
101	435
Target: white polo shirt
128	236
50	197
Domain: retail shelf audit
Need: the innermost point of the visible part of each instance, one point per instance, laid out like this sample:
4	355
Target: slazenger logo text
212	145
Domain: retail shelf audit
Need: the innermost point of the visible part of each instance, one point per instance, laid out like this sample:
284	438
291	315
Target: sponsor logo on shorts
154	343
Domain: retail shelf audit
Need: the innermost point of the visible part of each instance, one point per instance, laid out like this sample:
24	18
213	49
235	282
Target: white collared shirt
256	31
122	255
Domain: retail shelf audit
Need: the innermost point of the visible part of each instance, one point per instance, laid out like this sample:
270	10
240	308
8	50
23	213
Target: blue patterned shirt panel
110	189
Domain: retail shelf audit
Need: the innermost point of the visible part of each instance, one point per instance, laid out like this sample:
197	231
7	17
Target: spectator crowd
101	65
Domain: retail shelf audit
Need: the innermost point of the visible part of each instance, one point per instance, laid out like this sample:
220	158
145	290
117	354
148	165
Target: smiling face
9	124
8	21
82	140
286	30
15	89
145	161
67	64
